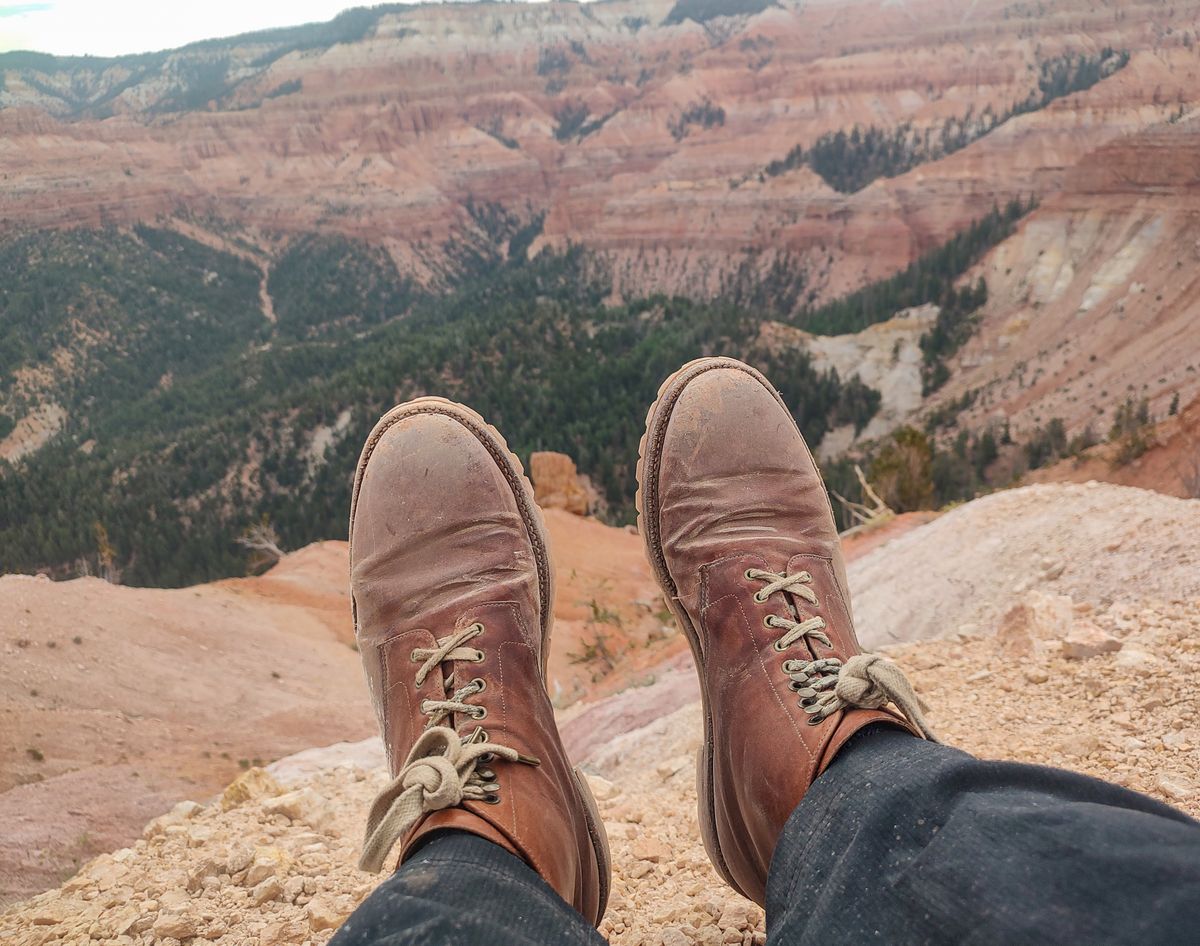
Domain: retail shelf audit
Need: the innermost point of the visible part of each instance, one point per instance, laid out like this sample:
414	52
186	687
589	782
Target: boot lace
443	769
828	684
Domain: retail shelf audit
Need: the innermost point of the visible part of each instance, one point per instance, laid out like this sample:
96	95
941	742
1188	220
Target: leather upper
444	535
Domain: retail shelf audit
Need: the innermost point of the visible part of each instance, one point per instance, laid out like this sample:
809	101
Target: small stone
303	805
1036	674
628	812
602	788
735	915
51	913
268	890
650	849
251	784
621	829
175	926
1052	570
1175	788
325	913
172	822
173	901
207	868
1086	640
674	936
200	834
283	932
1134	658
1079	745
239	859
1013	637
268	862
293	888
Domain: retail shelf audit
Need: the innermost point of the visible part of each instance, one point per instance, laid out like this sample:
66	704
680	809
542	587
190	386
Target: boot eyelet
794	686
486	758
749	574
760	597
491	798
480	684
480	713
815	721
769	621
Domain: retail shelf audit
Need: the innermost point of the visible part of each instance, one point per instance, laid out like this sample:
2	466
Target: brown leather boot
452	591
740	535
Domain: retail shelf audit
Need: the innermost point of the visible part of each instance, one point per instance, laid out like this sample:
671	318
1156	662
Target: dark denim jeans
900	841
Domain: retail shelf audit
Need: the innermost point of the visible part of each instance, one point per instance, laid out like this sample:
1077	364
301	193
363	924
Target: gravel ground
272	864
1096	542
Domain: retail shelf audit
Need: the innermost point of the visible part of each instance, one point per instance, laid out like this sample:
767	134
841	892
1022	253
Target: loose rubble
1095	542
271	861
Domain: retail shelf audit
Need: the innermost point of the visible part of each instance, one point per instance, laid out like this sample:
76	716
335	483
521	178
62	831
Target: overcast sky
114	27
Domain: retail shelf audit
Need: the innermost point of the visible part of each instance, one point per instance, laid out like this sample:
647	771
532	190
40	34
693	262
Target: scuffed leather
735	488
438	541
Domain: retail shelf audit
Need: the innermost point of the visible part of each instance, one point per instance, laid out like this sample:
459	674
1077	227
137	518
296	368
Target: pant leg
462	890
906	841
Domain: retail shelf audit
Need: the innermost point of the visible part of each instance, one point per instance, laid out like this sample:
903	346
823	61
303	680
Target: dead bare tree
262	539
866	516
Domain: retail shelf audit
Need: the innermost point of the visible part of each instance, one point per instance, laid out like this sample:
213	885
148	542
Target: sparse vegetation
703	10
551	61
596	651
902	471
570	119
955	323
291	87
1132	431
702	114
185	78
849	161
930	279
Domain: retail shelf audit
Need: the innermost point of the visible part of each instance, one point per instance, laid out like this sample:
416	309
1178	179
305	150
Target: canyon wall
591	117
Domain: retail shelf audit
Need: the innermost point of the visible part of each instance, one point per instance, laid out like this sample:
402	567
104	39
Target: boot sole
535	525
649	454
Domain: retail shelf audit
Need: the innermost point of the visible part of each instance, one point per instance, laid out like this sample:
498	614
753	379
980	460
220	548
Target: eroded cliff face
1096	298
581	113
885	357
